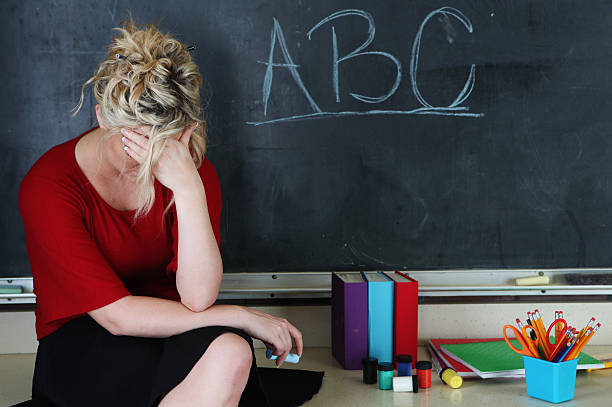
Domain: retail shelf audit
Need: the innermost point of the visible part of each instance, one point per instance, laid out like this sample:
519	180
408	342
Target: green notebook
496	359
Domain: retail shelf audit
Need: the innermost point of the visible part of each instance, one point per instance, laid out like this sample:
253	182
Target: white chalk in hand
291	358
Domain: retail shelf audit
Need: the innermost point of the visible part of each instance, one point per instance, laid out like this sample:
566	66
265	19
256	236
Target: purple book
349	319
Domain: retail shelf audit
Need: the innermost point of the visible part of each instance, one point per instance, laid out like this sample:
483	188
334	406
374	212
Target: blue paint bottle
404	365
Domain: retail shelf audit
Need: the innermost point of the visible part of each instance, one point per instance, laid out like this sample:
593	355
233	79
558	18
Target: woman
122	230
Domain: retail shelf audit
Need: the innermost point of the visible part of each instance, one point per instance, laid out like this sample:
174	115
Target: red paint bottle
424	372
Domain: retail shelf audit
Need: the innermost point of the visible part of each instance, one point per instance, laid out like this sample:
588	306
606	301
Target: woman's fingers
135	144
134	150
186	134
297	337
137	157
281	350
136	138
131	154
281	359
278	334
285	336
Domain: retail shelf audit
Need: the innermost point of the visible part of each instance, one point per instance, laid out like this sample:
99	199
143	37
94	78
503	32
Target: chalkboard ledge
465	284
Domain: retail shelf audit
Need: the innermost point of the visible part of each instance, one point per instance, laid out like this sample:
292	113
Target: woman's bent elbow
199	304
200	297
109	317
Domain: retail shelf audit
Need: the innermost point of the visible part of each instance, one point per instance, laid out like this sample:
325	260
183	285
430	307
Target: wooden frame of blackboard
459	284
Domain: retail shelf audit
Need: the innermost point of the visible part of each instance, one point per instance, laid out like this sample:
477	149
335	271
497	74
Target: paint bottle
385	376
404	365
424	372
402	384
369	370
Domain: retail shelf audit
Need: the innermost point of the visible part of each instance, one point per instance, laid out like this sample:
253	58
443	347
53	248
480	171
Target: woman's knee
233	352
219	376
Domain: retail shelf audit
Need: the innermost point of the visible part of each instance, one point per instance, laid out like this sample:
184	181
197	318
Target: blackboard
354	135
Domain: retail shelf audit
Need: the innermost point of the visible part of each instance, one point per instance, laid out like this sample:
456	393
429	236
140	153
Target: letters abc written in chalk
453	109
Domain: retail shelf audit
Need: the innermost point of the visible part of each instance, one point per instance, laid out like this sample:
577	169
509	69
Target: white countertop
345	387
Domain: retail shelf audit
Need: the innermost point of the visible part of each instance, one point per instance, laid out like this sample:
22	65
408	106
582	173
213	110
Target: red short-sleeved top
85	254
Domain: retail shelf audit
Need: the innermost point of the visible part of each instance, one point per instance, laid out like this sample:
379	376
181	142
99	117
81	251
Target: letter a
277	32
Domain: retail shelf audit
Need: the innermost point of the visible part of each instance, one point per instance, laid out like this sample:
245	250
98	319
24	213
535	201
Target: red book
406	315
461	369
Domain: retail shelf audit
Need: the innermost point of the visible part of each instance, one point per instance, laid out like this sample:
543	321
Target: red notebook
461	369
405	315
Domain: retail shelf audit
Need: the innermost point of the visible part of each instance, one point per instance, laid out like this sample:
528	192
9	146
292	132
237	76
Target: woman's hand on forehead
146	130
175	167
142	130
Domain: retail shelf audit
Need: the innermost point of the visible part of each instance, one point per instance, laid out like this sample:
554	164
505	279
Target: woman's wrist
240	316
193	187
225	315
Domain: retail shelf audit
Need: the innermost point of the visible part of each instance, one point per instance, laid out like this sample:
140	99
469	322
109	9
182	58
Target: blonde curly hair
149	79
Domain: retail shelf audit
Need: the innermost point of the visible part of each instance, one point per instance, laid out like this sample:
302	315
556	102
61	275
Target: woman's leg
82	364
218	378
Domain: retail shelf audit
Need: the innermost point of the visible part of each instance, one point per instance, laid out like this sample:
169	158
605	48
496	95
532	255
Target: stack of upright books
374	314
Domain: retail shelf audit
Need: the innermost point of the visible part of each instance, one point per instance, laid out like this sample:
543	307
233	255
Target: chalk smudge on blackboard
417	231
581	249
500	245
361	256
448	28
113	12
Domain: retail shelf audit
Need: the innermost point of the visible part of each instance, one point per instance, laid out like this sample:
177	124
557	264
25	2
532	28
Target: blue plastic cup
554	382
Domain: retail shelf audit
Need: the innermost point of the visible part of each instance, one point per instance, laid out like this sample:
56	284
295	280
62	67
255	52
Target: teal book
380	316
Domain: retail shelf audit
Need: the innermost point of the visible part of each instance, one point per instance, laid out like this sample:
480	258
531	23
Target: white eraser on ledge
538	280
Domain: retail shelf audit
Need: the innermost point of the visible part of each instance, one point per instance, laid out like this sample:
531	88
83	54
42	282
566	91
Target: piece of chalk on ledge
291	358
10	289
538	280
402	383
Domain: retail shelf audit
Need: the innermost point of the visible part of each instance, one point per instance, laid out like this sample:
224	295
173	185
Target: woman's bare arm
199	265
200	268
160	318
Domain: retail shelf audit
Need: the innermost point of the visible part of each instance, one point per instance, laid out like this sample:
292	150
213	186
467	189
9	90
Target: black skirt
82	364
